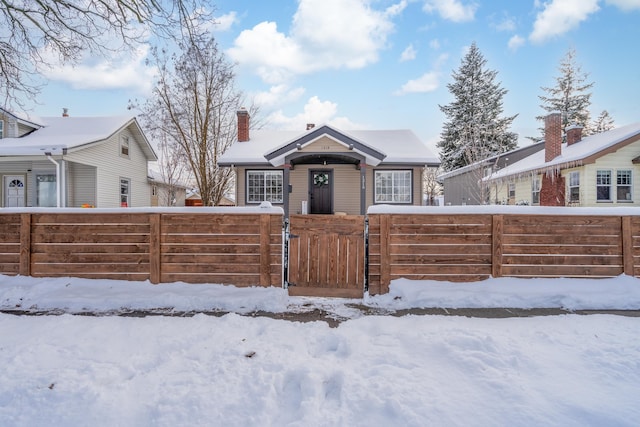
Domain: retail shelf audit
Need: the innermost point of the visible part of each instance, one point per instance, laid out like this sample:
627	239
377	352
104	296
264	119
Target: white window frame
53	190
1	129
125	147
574	184
125	192
399	181
604	180
264	186
511	192
535	191
628	195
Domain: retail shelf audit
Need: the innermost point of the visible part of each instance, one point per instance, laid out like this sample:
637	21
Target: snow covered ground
239	370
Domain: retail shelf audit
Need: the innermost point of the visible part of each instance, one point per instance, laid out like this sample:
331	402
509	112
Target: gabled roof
583	152
73	133
28	120
270	147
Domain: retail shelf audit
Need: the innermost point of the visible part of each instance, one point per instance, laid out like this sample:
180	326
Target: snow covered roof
388	146
578	153
70	133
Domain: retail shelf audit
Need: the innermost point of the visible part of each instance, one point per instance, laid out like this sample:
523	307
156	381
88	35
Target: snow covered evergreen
474	128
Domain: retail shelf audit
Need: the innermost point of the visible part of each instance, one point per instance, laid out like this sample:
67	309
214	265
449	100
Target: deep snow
567	370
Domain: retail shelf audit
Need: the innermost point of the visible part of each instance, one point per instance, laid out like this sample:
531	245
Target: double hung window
393	186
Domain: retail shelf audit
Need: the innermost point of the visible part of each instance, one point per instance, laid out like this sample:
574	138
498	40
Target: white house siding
81	184
620	160
110	166
29	169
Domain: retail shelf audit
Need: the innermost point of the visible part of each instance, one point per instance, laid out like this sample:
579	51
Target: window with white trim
265	186
574	187
393	186
535	191
1	129
124	146
125	192
511	191
623	186
46	190
603	186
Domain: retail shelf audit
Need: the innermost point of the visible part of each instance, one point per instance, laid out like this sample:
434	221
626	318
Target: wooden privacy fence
238	249
469	247
330	257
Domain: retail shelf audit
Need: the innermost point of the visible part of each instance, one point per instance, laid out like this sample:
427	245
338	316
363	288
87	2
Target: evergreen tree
474	129
570	96
602	123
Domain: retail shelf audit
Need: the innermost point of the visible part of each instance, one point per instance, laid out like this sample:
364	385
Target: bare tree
430	185
36	34
193	108
172	169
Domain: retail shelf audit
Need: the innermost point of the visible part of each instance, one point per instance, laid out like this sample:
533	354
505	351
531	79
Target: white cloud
428	82
434	44
452	10
315	111
224	22
325	34
508	23
278	95
625	5
560	16
409	54
516	42
118	73
396	9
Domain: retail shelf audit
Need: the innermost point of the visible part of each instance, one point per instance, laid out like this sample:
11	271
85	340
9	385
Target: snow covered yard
239	370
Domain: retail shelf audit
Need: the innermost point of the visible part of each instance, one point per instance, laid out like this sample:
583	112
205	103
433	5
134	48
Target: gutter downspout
58	187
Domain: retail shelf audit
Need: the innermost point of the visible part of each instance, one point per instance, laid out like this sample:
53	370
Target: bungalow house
466	186
73	162
599	170
325	170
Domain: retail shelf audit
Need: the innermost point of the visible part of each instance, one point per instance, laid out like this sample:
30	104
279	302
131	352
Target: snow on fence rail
201	246
469	247
238	249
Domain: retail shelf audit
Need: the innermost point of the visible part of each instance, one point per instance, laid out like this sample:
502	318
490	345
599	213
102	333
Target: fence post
627	246
265	250
385	262
25	244
154	248
496	245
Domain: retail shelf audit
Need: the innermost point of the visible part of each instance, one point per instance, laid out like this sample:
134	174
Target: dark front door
321	191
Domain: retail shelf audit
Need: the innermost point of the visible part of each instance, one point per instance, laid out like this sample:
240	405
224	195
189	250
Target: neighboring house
599	170
325	170
166	194
74	162
466	185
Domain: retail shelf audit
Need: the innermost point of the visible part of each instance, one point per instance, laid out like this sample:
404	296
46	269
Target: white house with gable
598	170
73	162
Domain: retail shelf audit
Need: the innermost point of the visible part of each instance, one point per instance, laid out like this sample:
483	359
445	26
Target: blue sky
385	64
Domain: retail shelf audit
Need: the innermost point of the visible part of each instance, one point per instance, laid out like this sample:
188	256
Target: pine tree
474	129
571	96
602	123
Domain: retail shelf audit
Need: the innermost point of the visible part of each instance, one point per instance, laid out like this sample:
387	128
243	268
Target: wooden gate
326	255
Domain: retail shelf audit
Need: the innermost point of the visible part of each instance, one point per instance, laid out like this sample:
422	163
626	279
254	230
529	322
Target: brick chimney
243	125
574	134
310	126
65	112
552	136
